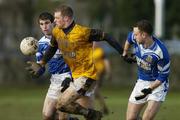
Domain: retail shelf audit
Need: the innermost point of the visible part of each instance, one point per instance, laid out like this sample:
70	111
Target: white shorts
55	87
158	94
79	83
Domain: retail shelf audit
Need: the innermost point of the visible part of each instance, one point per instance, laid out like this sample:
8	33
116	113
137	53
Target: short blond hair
65	10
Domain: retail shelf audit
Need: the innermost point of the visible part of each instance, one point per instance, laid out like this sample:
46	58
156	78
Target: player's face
59	20
139	36
46	26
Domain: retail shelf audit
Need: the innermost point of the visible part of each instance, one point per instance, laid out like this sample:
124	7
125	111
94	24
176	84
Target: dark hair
46	16
65	10
145	26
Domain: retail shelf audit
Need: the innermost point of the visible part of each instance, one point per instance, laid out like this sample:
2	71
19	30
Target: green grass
26	104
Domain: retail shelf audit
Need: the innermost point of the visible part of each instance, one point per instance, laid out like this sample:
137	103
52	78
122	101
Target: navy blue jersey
153	62
56	65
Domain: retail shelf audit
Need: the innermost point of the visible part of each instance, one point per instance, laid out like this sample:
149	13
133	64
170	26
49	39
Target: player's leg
65	116
101	100
151	110
155	100
86	101
49	109
66	103
135	106
98	95
133	111
54	91
78	88
62	115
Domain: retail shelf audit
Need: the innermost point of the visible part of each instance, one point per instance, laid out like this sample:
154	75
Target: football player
153	63
76	44
103	67
58	69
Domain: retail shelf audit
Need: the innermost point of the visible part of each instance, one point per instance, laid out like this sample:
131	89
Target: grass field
26	104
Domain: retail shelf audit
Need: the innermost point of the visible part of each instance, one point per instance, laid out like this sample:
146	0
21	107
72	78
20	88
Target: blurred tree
171	15
122	12
18	19
134	10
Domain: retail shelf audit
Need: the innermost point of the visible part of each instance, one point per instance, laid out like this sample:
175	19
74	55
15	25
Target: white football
29	46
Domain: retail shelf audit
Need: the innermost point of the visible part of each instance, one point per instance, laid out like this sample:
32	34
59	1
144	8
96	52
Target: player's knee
60	106
148	117
131	117
47	116
63	118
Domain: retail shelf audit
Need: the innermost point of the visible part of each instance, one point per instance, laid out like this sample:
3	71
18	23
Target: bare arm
126	48
155	84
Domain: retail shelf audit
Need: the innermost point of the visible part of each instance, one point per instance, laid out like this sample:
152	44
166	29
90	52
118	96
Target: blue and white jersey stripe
56	64
153	62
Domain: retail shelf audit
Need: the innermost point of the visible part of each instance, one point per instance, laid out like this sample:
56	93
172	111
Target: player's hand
145	92
35	69
129	58
65	84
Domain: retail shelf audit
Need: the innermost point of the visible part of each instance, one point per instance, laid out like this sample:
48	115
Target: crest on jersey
149	58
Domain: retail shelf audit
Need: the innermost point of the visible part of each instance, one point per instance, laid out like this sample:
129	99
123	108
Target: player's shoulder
160	44
55	30
43	40
131	38
81	28
161	49
130	34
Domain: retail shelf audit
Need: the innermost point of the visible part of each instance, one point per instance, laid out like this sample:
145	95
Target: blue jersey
153	62
56	65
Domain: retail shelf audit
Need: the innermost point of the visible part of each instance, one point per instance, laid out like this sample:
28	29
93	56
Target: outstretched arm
128	57
98	35
126	48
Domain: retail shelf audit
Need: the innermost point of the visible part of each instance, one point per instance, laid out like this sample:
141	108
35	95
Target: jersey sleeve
130	38
163	69
39	56
99	35
42	47
96	35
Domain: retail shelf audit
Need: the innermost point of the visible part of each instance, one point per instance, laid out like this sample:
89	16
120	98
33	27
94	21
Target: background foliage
115	16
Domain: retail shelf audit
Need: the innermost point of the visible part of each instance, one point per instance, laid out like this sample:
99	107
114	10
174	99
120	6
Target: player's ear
144	35
66	18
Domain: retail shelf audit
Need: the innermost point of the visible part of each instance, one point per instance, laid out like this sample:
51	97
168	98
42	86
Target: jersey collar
69	28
